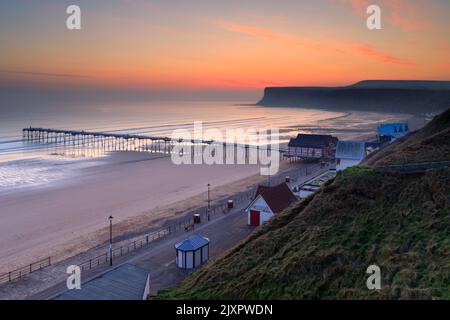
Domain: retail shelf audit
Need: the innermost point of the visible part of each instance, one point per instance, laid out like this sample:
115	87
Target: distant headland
397	96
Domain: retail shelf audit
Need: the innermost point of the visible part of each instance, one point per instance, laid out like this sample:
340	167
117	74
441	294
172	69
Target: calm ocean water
24	164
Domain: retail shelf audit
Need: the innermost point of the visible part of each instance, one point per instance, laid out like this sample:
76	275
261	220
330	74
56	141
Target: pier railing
76	140
185	224
21	272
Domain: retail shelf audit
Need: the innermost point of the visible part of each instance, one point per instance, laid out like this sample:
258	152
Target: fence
20	272
414	167
184	224
221	207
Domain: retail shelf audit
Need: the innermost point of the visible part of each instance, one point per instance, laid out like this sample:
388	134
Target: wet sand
139	190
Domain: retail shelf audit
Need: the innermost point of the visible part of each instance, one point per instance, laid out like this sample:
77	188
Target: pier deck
130	142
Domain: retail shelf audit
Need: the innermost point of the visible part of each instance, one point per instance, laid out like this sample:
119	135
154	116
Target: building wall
147	289
261	206
189	260
180	259
200	256
182	256
306	152
346	163
205	250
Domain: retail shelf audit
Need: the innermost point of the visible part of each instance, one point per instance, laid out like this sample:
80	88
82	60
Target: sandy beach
139	190
65	203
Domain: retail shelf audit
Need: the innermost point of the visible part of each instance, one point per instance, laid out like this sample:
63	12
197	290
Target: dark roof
355	150
278	197
312	140
192	243
126	282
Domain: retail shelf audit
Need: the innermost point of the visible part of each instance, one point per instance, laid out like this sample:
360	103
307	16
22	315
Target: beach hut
391	131
267	202
349	154
312	146
192	252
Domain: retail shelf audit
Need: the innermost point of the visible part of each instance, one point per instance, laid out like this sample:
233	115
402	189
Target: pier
125	142
105	140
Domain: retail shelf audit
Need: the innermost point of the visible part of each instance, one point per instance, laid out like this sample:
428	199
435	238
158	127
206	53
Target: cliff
370	95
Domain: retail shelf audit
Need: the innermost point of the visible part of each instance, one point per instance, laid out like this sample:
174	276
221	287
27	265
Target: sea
24	164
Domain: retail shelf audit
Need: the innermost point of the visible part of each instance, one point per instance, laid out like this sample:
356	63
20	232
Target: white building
349	154
269	201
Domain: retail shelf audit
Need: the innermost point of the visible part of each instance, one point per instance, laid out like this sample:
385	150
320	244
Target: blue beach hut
192	252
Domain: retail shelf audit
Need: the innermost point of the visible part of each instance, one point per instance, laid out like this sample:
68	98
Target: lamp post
110	240
209	202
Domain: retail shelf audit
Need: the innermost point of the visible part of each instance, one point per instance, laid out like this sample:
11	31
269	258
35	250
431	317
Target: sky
220	46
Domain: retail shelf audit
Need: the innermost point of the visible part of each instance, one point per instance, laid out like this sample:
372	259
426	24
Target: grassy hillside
321	247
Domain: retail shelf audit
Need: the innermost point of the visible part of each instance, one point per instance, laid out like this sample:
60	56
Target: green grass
321	247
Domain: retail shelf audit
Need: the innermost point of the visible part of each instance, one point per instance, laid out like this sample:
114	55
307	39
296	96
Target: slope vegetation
321	247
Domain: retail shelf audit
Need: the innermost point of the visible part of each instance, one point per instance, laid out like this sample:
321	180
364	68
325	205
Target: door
254	218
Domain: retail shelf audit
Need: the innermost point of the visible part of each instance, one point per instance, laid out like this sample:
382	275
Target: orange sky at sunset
206	45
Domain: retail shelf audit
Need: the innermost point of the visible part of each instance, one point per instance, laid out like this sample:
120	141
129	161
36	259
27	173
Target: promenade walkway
224	229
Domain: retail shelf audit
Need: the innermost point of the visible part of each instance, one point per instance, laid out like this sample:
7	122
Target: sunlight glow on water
27	172
37	171
31	164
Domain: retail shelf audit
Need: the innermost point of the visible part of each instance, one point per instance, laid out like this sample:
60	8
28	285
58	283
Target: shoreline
53	227
346	111
50	281
69	216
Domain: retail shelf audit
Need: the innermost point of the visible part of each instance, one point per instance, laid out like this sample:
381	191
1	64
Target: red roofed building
269	201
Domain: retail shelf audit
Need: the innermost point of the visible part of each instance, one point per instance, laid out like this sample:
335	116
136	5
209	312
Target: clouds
282	38
215	44
339	46
406	15
44	74
378	55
